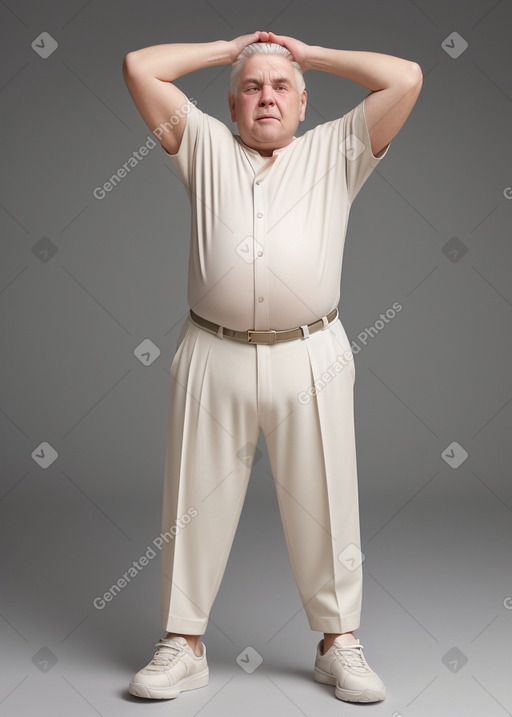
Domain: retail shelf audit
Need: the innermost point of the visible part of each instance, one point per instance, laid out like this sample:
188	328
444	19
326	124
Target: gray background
84	282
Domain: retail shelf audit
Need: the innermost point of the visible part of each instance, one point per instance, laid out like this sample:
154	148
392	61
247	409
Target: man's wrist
221	52
318	58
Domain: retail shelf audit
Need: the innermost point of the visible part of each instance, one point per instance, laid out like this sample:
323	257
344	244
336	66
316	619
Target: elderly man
262	347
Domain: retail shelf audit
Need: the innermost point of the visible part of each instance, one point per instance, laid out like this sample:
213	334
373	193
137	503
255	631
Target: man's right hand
240	43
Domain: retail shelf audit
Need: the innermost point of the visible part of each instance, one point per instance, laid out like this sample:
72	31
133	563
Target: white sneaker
174	668
346	667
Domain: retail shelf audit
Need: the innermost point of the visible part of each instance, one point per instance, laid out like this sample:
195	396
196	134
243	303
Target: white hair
271	48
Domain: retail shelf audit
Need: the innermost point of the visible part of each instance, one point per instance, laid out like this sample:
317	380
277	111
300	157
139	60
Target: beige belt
262	336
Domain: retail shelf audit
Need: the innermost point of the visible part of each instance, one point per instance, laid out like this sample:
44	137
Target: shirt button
258	182
259	215
260	299
260	253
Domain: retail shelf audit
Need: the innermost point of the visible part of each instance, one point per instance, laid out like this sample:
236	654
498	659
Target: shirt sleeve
185	159
355	148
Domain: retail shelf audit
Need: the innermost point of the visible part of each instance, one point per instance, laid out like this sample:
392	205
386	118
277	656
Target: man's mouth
266	117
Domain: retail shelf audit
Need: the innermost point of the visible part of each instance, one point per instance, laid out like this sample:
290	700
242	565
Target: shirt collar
255	151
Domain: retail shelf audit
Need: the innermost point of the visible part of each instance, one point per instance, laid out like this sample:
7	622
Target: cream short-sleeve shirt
267	233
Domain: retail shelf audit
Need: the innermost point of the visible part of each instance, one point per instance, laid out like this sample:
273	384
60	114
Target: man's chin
268	133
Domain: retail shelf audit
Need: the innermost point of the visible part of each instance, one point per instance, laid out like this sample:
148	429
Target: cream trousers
300	394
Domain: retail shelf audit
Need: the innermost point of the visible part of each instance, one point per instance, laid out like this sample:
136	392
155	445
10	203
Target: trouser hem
185	625
345	623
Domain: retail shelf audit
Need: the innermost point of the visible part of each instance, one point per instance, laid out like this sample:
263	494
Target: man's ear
232	106
304	101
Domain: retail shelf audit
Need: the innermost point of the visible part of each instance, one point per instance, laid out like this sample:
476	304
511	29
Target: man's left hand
298	49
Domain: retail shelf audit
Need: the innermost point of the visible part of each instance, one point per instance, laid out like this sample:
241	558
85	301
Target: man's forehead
267	66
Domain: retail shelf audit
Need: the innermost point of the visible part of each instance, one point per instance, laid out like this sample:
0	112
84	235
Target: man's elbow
414	74
129	63
411	82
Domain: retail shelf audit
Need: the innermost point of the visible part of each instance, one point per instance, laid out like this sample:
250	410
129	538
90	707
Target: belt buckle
271	336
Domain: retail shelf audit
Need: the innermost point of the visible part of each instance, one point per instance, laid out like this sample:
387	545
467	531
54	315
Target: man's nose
267	94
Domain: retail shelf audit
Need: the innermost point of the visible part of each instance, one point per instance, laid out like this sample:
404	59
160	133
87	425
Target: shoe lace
166	654
352	655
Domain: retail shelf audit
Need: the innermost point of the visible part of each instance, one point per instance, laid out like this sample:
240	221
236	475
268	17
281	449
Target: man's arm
395	83
149	73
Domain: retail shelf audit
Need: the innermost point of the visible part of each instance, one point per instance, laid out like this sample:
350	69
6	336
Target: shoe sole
348	695
139	689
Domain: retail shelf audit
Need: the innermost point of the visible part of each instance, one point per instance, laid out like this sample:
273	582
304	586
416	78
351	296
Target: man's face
267	88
